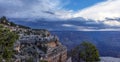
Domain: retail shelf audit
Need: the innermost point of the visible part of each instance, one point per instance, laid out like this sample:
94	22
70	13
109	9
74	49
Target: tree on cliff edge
86	51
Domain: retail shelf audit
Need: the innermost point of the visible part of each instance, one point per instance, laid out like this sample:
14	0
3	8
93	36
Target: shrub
86	51
7	40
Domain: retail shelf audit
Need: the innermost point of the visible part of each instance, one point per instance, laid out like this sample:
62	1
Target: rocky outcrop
35	45
39	47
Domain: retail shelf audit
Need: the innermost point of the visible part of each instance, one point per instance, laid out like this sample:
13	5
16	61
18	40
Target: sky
101	12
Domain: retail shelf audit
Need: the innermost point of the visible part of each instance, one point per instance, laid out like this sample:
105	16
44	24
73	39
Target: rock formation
39	47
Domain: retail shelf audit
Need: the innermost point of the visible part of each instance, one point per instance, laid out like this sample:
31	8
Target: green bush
87	52
30	59
43	61
7	40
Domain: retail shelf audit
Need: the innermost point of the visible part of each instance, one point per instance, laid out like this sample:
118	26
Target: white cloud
65	14
86	28
100	11
79	28
29	8
112	23
34	9
67	25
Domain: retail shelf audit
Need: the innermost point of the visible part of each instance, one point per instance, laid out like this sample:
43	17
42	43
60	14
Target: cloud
86	28
67	25
54	10
112	23
30	8
106	12
79	28
49	9
99	11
